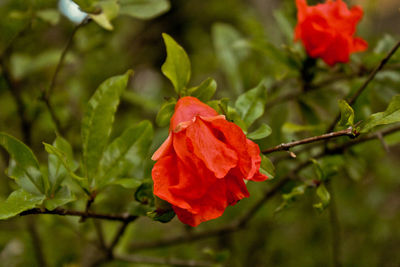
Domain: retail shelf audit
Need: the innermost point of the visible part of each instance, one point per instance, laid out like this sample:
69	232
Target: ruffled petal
164	149
254	151
189	107
216	155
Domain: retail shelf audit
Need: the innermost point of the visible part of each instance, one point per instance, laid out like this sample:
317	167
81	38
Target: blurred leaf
129	183
68	165
224	38
51	16
205	90
98	119
62	197
289	127
390	115
24	167
165	113
263	131
324	196
56	168
318	170
144	9
284	25
290	197
267	167
17	202
109	11
346	114
251	104
88	6
130	148
144	194
177	65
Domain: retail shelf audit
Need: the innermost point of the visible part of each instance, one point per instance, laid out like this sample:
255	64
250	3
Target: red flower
327	30
201	166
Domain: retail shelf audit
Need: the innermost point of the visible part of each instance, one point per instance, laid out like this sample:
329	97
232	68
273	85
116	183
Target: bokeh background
229	40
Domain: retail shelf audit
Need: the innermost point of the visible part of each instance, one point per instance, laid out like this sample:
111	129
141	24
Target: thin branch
46	95
371	76
62	57
287	146
118	235
64	212
166	261
99	231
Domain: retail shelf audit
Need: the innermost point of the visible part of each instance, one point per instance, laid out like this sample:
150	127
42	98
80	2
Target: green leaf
324	196
346	114
51	16
165	113
109	11
17	202
390	115
251	104
291	196
267	167
284	24
144	9
68	165
57	170
205	90
126	151
263	131
144	194
161	216
98	119
224	38
24	167
177	65
62	197
88	6
129	183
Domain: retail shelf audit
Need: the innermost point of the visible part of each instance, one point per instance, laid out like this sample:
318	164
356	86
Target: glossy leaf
346	114
165	113
24	167
98	119
205	90
324	196
17	202
129	149
56	169
177	65
251	104
60	198
390	115
267	167
144	9
263	131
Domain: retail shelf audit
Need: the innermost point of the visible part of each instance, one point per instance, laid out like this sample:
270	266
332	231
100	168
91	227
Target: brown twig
351	100
287	146
64	212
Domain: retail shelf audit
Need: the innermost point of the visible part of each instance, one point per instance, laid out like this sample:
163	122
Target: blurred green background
239	44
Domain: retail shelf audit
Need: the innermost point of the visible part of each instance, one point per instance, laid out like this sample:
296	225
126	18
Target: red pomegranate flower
201	166
327	30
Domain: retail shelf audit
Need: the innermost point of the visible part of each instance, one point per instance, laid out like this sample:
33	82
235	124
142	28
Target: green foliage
18	202
263	131
390	115
205	90
165	113
177	65
267	167
144	9
251	104
97	122
24	168
346	114
324	196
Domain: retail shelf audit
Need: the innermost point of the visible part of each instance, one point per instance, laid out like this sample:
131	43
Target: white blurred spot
71	10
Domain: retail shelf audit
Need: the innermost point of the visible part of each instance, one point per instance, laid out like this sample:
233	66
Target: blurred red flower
327	30
201	166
